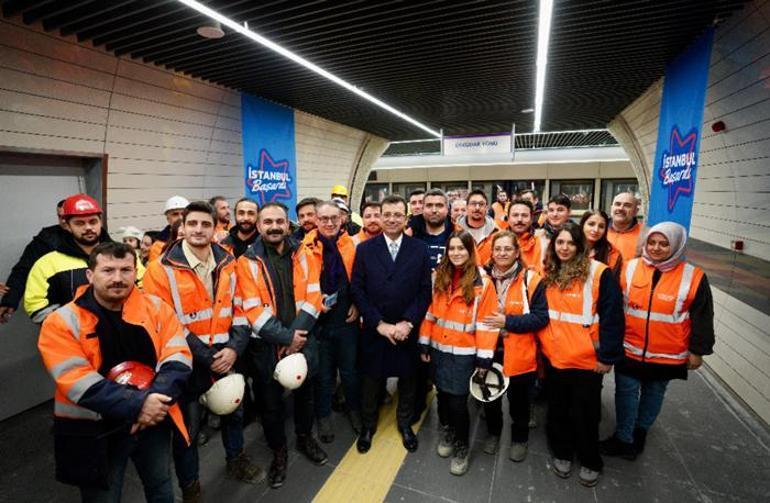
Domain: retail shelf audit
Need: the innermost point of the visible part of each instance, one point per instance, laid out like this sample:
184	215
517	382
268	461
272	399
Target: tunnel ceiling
467	67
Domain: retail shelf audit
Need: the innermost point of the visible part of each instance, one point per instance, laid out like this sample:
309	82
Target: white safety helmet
291	371
132	232
175	203
490	387
225	395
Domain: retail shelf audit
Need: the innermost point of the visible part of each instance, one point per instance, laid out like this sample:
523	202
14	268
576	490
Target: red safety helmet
79	205
132	373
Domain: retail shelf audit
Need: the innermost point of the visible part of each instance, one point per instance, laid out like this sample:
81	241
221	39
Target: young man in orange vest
479	224
372	216
625	230
197	278
531	247
222	207
99	423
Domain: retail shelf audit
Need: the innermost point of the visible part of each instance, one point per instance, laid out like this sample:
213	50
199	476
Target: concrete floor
704	448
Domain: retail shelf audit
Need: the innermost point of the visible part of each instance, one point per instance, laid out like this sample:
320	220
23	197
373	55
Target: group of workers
451	294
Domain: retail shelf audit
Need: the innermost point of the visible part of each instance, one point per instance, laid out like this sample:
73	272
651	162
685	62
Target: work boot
460	461
518	452
640	439
325	431
561	467
241	468
491	443
355	421
532	417
277	474
588	477
308	446
446	441
192	493
613	446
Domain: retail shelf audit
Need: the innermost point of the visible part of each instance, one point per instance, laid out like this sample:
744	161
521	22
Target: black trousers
518	408
574	411
422	378
453	412
370	404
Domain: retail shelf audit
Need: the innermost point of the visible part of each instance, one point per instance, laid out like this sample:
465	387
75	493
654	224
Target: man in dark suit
391	287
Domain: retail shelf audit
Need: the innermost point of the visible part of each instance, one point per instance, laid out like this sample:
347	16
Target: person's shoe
491	443
409	439
241	468
325	431
532	417
460	461
588	477
518	452
561	467
308	446
192	493
613	446
640	439
446	442
203	438
277	473
355	421
364	442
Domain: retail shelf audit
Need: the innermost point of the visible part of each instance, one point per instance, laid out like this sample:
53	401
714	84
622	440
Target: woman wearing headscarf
669	327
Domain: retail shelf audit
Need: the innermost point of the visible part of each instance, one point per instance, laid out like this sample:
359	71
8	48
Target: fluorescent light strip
243	30
543	36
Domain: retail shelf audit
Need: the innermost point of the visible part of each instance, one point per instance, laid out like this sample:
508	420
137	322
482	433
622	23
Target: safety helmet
291	371
225	395
80	205
339	190
341	204
132	232
132	373
491	386
175	203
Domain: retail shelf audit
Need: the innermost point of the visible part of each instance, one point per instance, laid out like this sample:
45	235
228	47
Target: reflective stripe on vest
587	318
455	350
640	352
71	319
684	289
62	409
70	363
78	389
524	299
176	357
263	318
215	339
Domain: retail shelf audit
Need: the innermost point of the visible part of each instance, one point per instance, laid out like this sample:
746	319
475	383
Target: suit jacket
390	292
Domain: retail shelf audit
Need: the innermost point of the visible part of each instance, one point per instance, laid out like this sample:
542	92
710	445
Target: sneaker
460	461
446	447
588	477
192	493
325	431
613	446
640	438
241	468
561	467
355	421
532	417
490	444
308	446
277	473
518	452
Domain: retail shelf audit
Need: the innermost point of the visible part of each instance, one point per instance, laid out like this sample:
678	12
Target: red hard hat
132	373
80	204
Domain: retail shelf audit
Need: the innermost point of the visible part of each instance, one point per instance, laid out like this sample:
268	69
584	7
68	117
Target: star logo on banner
270	180
678	165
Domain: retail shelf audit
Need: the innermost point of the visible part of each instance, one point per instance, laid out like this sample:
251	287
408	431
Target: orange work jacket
571	337
156	250
626	242
658	325
519	350
532	249
346	244
72	357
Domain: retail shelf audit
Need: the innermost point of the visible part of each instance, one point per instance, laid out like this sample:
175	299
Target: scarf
677	239
503	280
333	266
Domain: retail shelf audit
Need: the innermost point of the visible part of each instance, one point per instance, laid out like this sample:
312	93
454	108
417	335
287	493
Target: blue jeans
186	457
637	404
338	350
150	450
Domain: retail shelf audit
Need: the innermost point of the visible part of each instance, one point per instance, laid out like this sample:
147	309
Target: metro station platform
705	447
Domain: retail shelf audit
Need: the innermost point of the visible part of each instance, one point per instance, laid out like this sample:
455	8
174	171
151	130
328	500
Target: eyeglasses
393	216
477	204
326	220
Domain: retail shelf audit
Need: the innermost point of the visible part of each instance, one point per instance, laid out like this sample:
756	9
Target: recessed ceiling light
212	30
527	110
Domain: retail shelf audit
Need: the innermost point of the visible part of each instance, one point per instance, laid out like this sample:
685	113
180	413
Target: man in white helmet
173	210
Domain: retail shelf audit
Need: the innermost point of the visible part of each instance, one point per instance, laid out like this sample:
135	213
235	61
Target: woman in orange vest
581	343
669	327
455	340
522	310
595	224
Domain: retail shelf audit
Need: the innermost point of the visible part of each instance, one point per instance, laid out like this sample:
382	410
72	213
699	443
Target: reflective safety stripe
237	301
313	287
587	318
485	353
254	269
154	299
669	356
684	289
62	409
70	363
232	285
263	318
453	325
577	319
217	338
251	303
303	264
524	299
240	321
630	270
176	357
424	340
455	350
660	317
174	288
177	340
226	312
684	286
81	385
40	316
356	239
71	319
429	316
202	315
310	309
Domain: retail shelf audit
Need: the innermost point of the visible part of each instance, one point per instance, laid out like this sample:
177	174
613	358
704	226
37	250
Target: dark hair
214	200
245	200
199	207
153	235
562	200
522	202
394	199
60	204
438	193
111	249
371	204
576	269
527	191
307	201
445	269
173	235
416	192
276	205
477	192
602	247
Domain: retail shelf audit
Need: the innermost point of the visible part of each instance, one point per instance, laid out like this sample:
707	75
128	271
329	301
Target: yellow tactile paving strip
363	478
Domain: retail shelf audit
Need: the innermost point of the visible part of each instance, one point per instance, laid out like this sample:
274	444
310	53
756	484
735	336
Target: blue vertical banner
672	185
269	157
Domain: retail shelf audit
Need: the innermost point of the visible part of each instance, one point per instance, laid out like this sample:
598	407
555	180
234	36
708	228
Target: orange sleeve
486	336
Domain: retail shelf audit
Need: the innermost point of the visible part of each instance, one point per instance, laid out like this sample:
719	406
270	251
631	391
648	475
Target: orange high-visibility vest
627	242
452	326
658	325
532	249
72	358
571	337
156	250
519	354
346	245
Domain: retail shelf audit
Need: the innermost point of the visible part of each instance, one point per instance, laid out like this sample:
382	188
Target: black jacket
47	240
238	245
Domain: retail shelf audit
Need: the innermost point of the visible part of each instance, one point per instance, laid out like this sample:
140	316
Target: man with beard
55	277
245	230
557	214
222	207
625	229
306	216
372	215
532	248
480	225
538	218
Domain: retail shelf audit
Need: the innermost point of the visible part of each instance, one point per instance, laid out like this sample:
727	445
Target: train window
375	191
611	188
489	188
404	189
580	192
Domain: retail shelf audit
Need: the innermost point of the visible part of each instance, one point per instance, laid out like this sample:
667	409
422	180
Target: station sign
478	144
